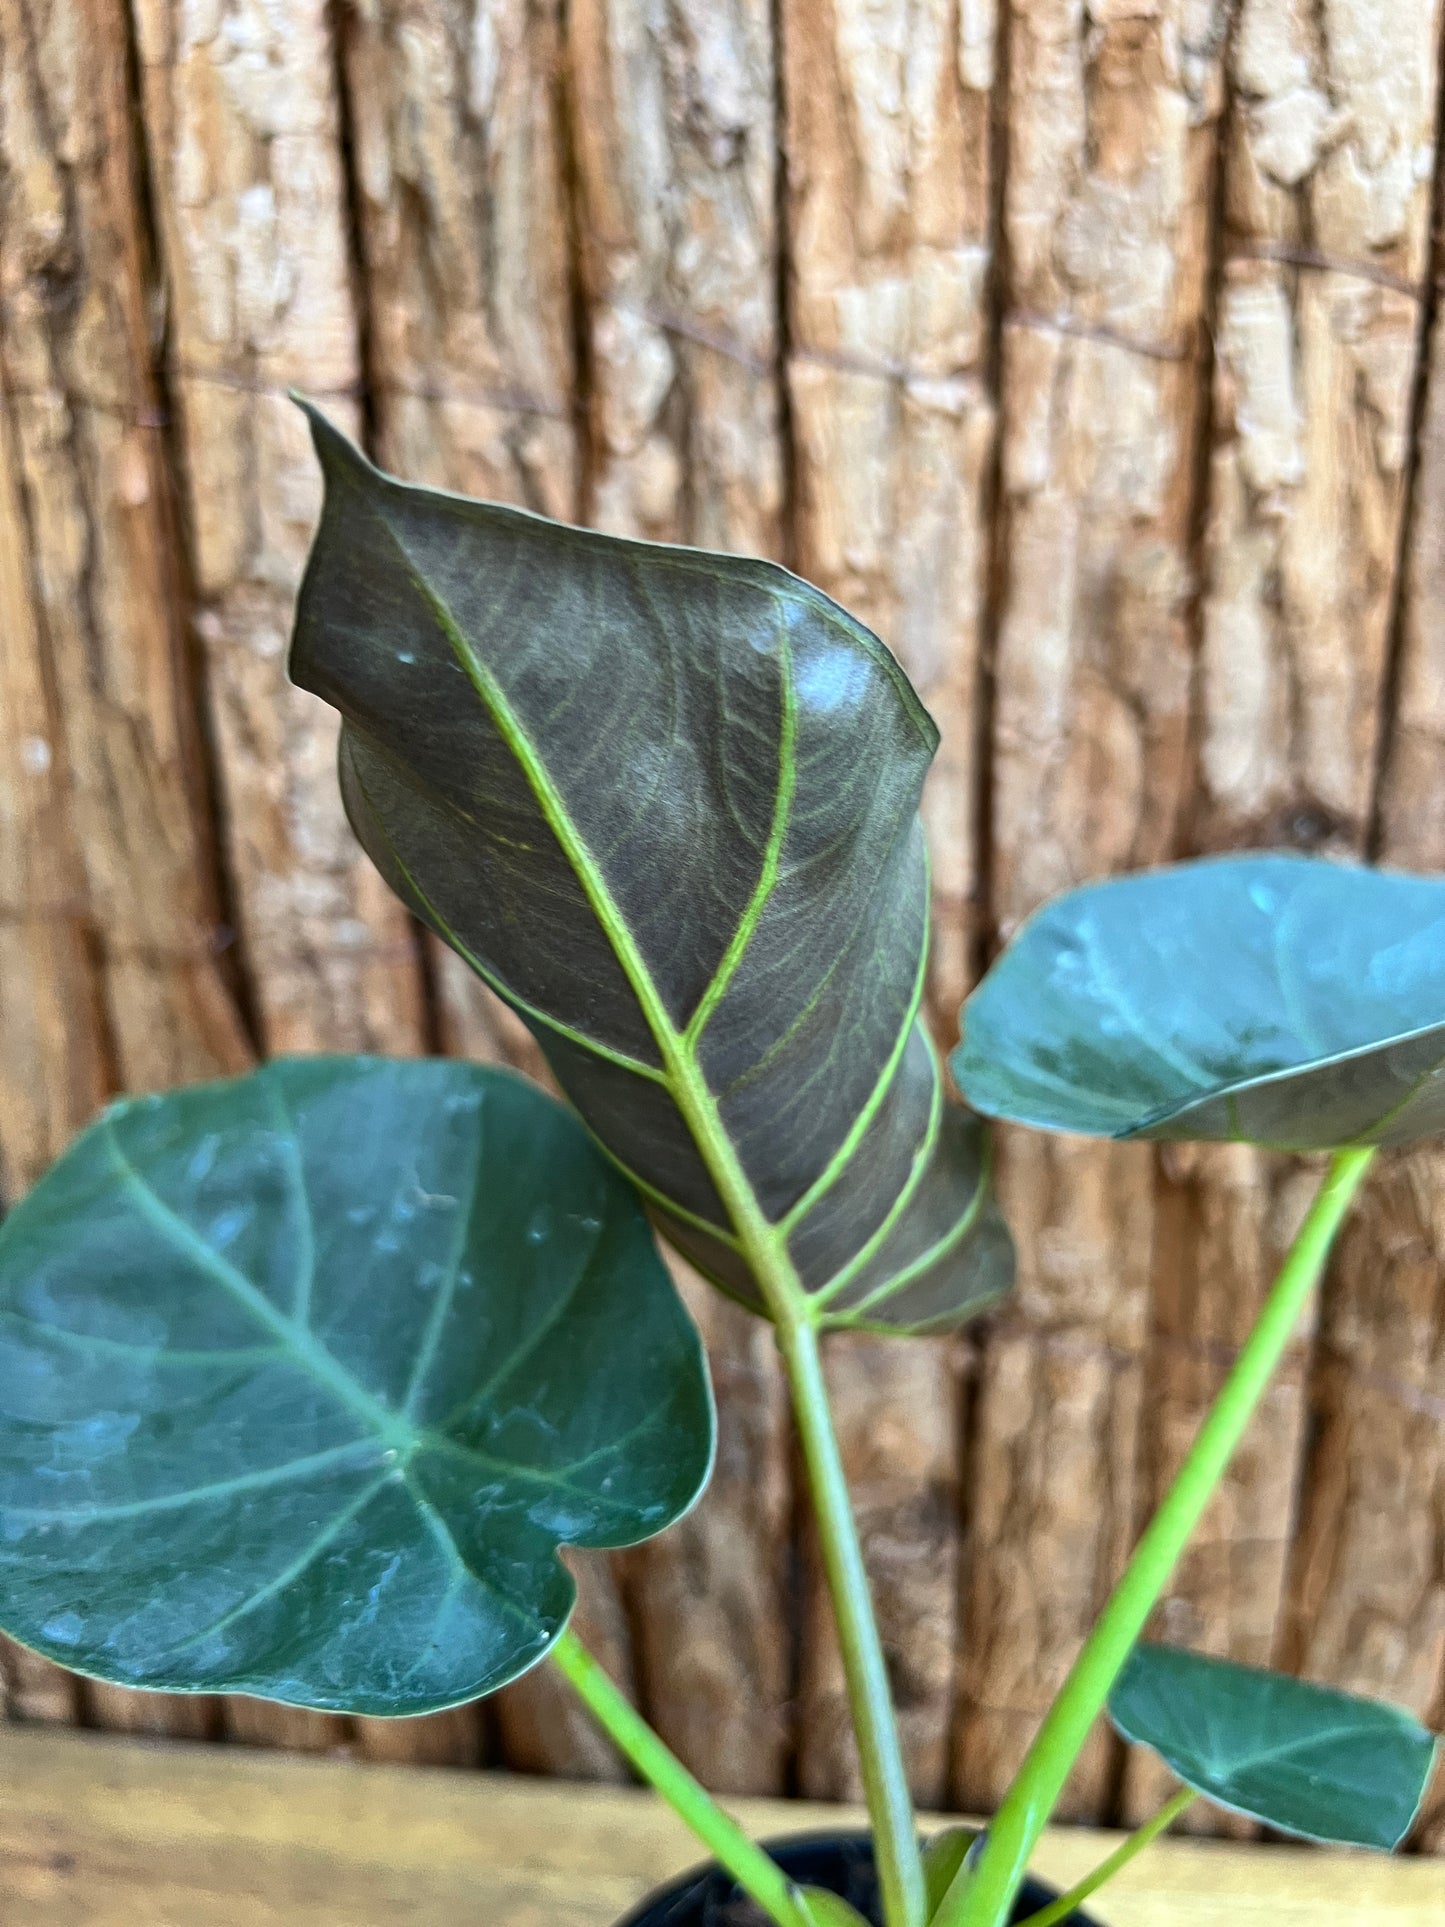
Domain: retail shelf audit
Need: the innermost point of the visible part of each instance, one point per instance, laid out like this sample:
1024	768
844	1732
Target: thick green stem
1071	1902
759	1877
983	1895
890	1805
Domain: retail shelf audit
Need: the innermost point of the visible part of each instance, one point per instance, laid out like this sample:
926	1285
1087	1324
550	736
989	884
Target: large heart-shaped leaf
305	1376
1304	1758
666	803
1275	1000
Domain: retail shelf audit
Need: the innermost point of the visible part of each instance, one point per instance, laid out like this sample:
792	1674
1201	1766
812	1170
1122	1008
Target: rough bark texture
101	748
1073	344
1326	210
673	132
886	140
674	129
1325	213
897	1409
1225	1217
1367	1601
1051	1486
1110	141
887	148
721	1694
241	117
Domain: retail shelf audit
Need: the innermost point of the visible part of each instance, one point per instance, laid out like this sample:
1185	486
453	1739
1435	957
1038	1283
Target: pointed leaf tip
716	929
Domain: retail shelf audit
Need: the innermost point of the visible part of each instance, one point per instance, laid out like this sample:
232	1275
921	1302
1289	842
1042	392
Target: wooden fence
1085	348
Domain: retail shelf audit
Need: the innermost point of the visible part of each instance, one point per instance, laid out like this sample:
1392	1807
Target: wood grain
113	1834
114	958
886	139
1325	221
1110	142
673	135
1367	1602
241	118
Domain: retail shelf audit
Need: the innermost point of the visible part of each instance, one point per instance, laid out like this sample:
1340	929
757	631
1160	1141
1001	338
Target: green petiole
1069	1903
982	1895
760	1878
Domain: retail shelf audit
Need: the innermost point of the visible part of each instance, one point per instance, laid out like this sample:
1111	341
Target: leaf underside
304	1378
1304	1758
1276	1000
665	803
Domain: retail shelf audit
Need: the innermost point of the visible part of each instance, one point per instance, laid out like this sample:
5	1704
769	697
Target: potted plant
306	1376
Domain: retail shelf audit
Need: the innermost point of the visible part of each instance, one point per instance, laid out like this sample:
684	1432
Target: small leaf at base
1304	1758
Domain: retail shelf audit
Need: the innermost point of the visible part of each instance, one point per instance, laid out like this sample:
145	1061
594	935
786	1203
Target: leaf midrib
763	1243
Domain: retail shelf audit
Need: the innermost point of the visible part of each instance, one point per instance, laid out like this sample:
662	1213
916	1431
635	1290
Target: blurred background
1089	353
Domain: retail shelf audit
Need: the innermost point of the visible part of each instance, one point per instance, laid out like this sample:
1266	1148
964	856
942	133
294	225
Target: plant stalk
890	1804
1070	1902
982	1896
760	1878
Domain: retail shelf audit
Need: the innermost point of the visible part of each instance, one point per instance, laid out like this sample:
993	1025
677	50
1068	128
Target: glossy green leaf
666	803
305	1376
1303	1758
1272	1000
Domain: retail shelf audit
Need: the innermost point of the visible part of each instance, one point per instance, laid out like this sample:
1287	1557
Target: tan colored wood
458	167
1326	217
1323	244
1368	1594
124	909
1110	144
675	141
98	1833
897	1410
1225	1218
887	144
720	1693
241	118
887	147
456	111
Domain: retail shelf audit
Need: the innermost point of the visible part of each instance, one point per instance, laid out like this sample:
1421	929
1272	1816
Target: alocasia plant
306	1377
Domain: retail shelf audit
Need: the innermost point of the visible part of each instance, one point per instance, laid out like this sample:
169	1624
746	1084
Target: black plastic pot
841	1863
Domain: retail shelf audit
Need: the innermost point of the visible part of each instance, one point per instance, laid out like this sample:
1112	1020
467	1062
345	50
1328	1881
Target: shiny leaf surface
1304	1758
665	802
1271	1000
305	1376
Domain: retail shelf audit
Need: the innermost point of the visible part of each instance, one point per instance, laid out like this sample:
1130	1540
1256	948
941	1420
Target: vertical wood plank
726	1587
886	141
241	118
1326	214
129	908
1367	1594
51	1057
461	198
1111	117
673	128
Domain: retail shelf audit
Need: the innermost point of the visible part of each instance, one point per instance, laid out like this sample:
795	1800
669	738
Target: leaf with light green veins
666	803
304	1378
1275	1000
1304	1758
